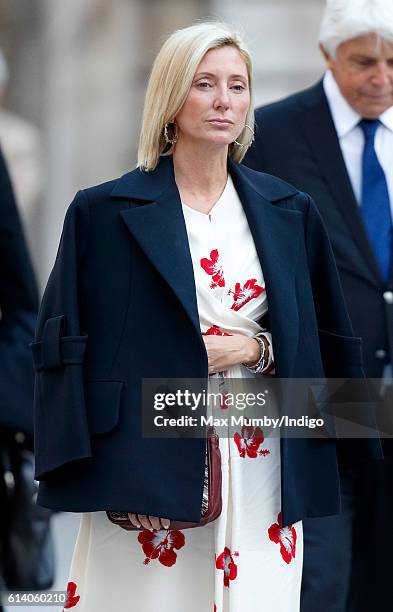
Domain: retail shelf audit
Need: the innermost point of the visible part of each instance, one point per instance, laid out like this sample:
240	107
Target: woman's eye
238	87
203	85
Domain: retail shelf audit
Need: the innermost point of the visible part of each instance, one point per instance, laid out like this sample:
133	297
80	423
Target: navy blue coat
120	305
18	312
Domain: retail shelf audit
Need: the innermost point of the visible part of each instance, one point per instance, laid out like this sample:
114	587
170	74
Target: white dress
244	561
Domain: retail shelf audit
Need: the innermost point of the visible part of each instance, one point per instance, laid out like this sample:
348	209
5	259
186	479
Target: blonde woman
167	272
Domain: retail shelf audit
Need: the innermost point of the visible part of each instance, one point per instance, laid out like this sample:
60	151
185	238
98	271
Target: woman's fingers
148	522
165	523
145	522
134	519
155	521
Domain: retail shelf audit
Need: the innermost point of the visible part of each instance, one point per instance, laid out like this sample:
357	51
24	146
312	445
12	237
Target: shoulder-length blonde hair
171	79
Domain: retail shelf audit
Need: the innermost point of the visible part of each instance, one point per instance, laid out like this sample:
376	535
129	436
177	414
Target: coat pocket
341	349
103	399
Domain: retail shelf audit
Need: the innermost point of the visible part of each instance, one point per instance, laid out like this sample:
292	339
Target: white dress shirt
351	137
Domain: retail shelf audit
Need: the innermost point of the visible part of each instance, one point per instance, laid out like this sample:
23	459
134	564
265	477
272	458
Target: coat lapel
159	228
321	135
276	232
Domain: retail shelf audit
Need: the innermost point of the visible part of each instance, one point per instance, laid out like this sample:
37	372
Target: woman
167	273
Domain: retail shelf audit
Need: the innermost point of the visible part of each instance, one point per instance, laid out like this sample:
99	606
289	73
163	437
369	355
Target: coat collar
155	220
149	186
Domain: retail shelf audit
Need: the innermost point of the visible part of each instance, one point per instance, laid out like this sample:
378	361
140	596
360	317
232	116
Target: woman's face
216	107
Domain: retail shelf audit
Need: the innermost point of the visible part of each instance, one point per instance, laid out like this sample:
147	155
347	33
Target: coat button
20	437
380	354
388	297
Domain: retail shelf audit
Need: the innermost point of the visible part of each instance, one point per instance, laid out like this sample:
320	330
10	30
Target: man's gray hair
346	19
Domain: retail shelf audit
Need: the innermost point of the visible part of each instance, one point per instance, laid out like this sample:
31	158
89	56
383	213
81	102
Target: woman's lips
220	122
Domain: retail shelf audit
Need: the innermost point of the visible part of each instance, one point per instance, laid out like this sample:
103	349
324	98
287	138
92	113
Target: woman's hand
226	351
148	522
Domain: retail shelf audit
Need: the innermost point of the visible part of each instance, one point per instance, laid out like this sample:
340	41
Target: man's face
363	69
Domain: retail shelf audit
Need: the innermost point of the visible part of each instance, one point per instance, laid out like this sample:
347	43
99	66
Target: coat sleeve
61	432
18	312
341	351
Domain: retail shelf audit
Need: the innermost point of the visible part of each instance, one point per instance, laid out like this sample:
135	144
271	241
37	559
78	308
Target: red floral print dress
246	560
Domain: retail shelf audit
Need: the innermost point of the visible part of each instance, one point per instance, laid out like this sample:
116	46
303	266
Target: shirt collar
344	116
387	118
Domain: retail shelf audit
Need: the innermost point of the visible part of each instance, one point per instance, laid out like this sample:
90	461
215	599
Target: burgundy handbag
211	501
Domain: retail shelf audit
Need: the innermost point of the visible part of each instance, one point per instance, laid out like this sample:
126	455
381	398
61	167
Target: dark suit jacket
18	308
297	141
121	306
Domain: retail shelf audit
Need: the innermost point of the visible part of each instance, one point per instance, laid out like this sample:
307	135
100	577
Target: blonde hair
171	79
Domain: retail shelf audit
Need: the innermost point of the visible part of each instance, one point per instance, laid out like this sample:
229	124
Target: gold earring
247	144
168	140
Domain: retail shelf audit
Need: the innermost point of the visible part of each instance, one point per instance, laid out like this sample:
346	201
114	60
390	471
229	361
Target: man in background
18	309
335	141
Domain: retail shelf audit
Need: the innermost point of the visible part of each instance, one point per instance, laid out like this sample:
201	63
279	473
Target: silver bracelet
263	360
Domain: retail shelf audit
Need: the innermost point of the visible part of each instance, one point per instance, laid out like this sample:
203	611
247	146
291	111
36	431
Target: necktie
375	205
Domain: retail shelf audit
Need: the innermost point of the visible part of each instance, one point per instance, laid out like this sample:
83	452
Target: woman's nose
222	99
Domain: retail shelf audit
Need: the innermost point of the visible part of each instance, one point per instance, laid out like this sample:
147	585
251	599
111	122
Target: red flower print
250	442
213	267
225	562
160	544
242	296
286	537
72	599
214	330
215	608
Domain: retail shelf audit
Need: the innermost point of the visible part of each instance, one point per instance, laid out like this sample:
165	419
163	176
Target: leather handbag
211	500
